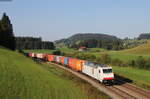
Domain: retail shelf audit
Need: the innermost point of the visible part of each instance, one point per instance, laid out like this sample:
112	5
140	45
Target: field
143	49
21	77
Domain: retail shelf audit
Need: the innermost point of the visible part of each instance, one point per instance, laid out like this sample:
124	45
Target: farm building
83	48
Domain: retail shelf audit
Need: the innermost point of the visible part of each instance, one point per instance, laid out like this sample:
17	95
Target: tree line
33	43
106	44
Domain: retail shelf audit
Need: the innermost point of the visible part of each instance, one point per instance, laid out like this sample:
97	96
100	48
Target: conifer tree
7	36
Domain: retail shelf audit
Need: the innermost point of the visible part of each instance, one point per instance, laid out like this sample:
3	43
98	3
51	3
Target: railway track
121	93
142	94
117	91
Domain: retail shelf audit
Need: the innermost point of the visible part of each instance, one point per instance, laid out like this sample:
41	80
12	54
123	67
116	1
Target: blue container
66	61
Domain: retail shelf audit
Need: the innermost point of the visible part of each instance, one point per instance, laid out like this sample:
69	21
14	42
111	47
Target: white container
39	55
58	60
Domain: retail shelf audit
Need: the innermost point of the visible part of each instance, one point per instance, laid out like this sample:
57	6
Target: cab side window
99	71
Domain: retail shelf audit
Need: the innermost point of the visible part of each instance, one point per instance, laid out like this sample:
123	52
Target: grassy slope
21	77
40	51
143	49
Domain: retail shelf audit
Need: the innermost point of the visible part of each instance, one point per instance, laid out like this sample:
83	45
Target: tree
7	36
140	62
105	58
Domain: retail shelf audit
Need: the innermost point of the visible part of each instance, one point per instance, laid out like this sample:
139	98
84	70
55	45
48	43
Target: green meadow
140	77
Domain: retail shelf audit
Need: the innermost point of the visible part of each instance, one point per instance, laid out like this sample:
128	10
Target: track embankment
117	91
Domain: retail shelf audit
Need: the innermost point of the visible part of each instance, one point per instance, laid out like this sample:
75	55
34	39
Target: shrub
89	57
131	63
58	52
117	62
105	58
147	64
140	62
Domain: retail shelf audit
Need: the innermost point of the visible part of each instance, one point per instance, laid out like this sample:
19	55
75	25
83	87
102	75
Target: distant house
83	48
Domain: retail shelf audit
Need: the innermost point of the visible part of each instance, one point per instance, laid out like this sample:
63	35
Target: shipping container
62	60
72	63
79	65
32	55
50	57
40	55
58	59
66	61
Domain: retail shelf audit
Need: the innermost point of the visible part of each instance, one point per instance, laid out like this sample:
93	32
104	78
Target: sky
56	19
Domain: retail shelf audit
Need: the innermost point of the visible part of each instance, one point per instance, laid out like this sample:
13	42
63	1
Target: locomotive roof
95	65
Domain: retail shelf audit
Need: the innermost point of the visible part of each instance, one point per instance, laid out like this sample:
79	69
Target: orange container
62	60
50	57
79	64
72	63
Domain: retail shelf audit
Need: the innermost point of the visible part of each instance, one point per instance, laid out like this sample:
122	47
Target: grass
124	56
40	51
140	77
20	77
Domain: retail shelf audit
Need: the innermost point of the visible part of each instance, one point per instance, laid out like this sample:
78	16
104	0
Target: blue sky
55	19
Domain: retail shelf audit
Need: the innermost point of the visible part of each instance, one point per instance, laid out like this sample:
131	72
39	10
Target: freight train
101	72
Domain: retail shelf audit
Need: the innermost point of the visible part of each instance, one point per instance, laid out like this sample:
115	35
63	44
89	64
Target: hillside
143	49
144	36
86	36
20	77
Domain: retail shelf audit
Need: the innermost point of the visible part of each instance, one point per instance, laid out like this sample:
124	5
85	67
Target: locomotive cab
106	75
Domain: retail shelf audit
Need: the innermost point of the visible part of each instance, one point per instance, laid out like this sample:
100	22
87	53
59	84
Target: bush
140	62
147	64
131	63
117	62
83	56
58	52
105	58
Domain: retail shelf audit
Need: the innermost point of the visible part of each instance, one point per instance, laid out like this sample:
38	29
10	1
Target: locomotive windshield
107	70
